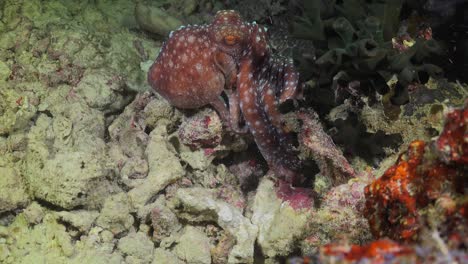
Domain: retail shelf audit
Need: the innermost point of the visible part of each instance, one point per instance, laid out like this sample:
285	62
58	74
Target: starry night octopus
200	62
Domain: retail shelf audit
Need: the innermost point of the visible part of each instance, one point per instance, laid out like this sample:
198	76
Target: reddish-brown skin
198	63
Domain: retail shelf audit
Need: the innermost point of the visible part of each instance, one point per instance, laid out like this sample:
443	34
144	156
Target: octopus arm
234	112
227	65
275	145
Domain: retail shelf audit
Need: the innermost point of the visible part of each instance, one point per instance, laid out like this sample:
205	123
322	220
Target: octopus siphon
200	62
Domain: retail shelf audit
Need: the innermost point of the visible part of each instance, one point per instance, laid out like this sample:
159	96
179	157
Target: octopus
200	63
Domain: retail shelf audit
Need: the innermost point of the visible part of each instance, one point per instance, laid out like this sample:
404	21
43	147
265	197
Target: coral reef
397	203
97	168
339	217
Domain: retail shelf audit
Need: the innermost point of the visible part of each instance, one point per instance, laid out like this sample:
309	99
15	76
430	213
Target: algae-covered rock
137	247
155	20
96	246
115	215
163	220
4	71
280	226
15	109
47	242
102	90
95	257
340	214
87	124
162	256
68	180
204	129
193	246
12	190
120	12
34	213
66	162
82	220
164	168
198	204
220	253
160	111
123	57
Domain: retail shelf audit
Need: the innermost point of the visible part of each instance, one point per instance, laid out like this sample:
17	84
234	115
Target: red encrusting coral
397	203
379	251
298	198
452	143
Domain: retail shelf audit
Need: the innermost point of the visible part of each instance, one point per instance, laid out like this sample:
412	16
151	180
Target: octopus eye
230	39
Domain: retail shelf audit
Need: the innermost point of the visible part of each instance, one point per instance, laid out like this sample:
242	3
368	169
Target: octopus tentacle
228	67
290	88
235	113
220	106
274	145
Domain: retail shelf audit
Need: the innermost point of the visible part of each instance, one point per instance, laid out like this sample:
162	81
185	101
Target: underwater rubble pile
95	167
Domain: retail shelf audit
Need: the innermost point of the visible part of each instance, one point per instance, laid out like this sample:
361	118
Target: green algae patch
12	190
4	71
16	111
47	242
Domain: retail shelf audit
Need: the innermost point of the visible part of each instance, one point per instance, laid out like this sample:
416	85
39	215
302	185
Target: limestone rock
193	247
137	247
115	215
280	225
198	204
164	168
162	256
12	190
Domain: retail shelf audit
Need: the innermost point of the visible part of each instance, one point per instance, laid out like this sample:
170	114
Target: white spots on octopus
191	39
184	58
199	67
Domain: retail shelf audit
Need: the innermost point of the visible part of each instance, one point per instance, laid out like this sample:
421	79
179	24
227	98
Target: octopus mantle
198	63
